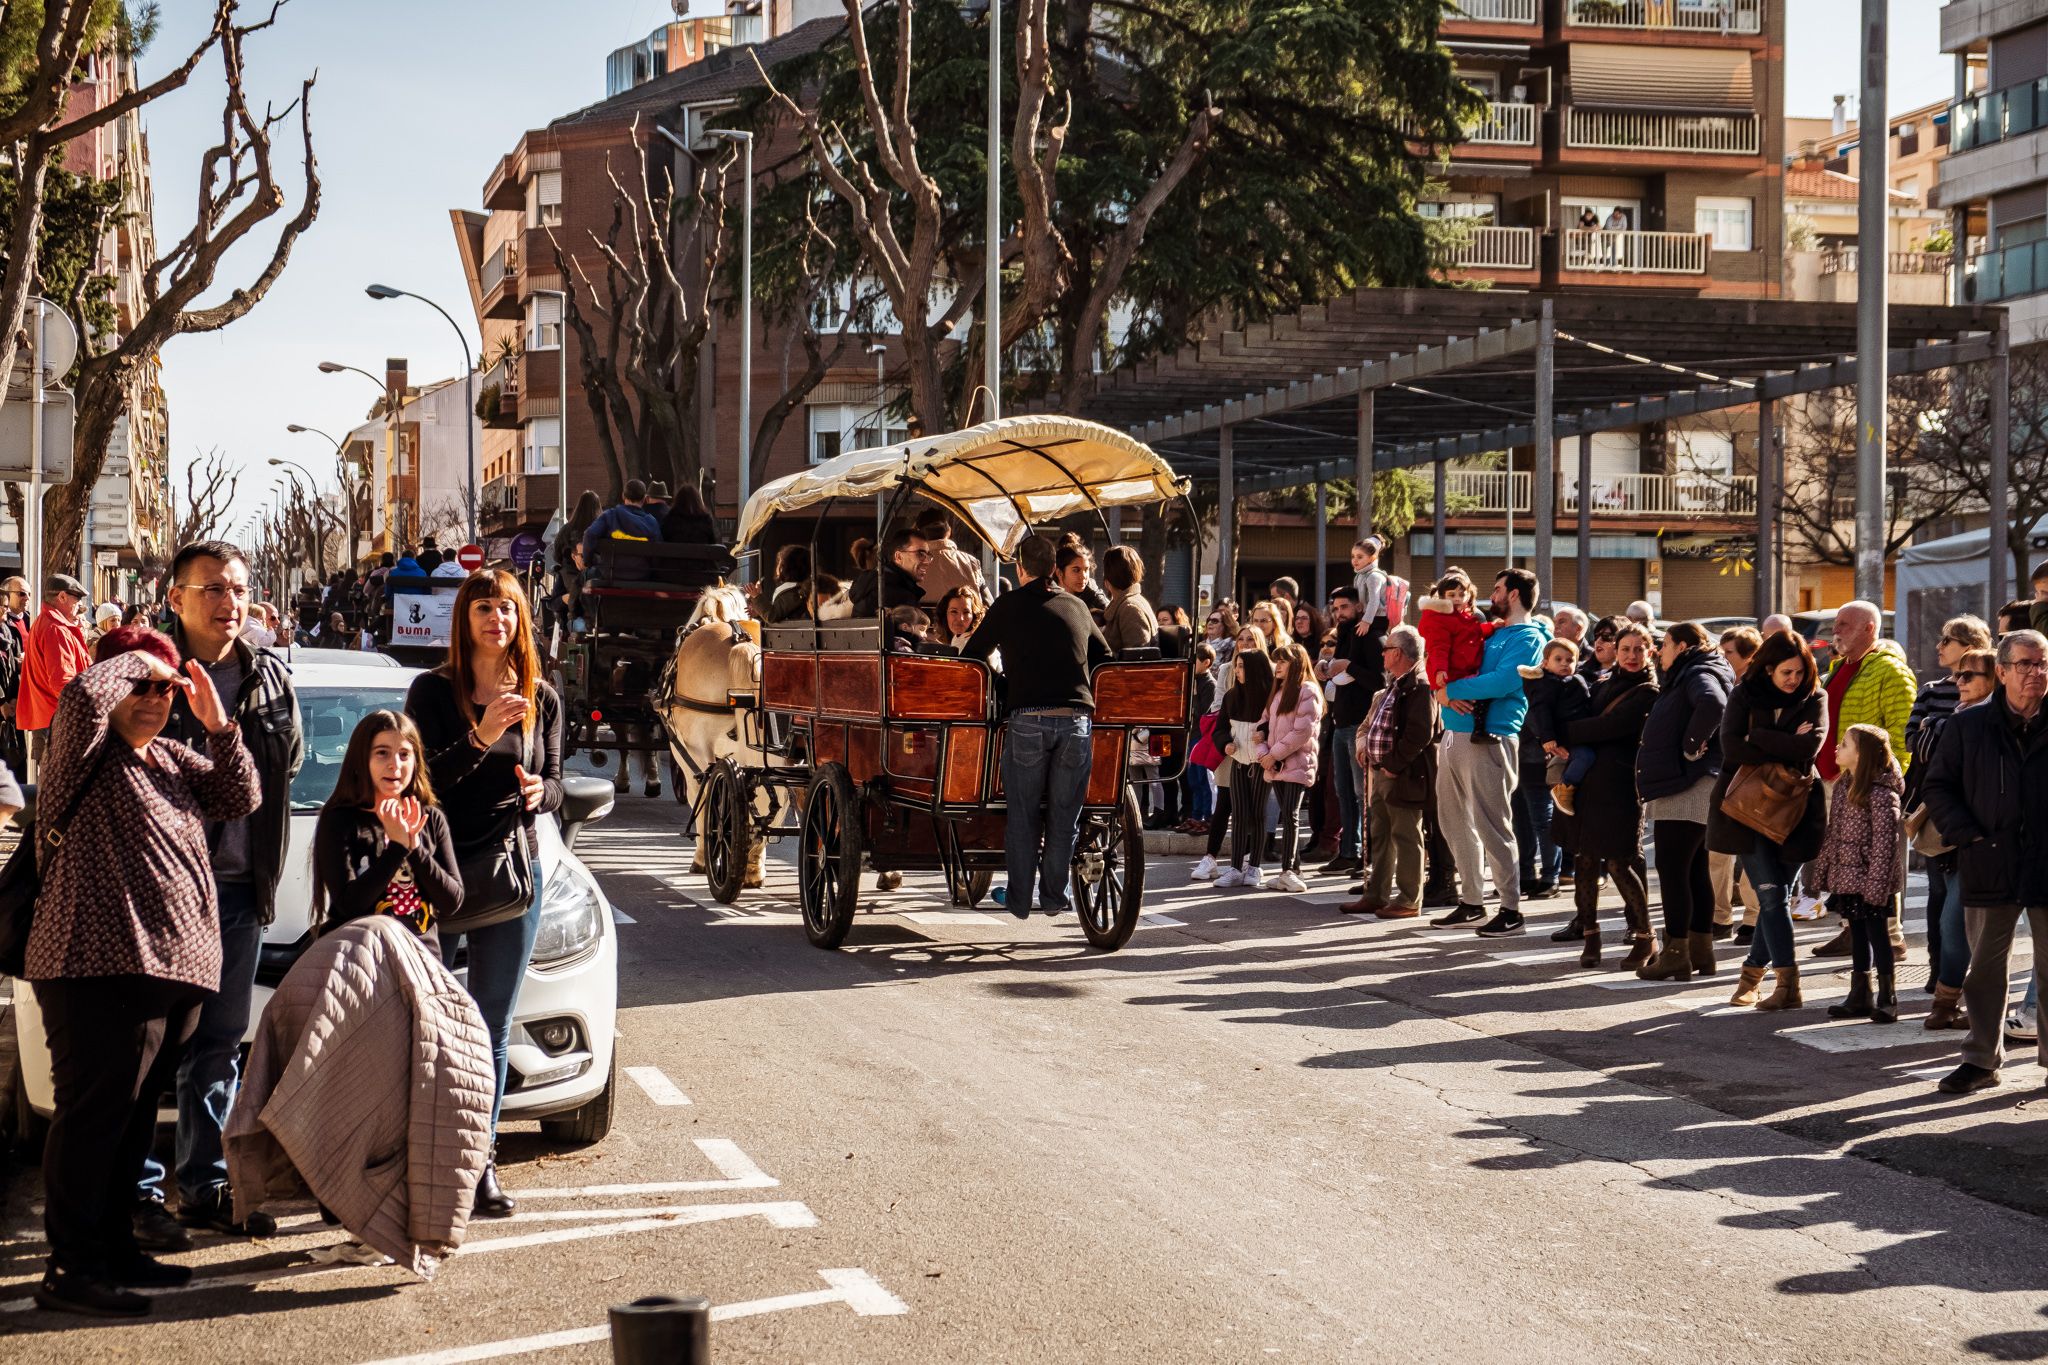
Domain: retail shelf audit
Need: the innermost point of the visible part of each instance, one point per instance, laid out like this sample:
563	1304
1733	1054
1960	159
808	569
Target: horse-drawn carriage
894	759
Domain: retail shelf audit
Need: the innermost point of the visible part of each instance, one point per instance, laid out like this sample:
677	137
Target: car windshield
329	716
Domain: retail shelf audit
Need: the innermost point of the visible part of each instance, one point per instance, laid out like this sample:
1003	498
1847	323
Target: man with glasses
1988	795
56	654
898	581
13	646
209	600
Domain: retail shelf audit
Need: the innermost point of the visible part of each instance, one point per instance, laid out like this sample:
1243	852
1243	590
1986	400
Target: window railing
1497	248
1622	130
1644	253
1691	16
2010	273
1504	125
1660	495
1843	260
1998	114
1479	490
504	261
1495	11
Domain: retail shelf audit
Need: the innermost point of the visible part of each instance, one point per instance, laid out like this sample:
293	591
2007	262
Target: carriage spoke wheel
1109	875
724	831
829	855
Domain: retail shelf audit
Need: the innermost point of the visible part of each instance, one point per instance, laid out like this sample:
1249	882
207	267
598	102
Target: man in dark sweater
898	580
1050	646
1354	679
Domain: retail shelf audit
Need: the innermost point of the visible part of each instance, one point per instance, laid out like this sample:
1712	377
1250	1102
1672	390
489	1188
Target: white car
563	1066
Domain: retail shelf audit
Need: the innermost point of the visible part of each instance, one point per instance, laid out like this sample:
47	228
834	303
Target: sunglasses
1967	673
152	687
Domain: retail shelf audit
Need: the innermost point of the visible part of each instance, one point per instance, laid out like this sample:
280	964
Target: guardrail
1496	248
1642	253
1504	125
1623	130
1691	16
1844	261
1661	495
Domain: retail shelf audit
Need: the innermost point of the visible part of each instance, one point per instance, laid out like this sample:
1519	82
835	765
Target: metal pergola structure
1396	378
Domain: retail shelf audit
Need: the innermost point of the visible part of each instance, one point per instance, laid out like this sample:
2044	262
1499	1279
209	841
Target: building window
544	200
543	445
839	427
1909	139
1727	221
543	322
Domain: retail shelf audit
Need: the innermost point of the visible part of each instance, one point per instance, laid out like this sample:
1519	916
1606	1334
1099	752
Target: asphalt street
1261	1131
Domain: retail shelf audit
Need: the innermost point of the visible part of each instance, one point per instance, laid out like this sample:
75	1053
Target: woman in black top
1604	830
381	846
689	521
492	731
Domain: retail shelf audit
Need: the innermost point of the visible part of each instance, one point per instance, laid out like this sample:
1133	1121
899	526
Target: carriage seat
1139	654
822	637
654	570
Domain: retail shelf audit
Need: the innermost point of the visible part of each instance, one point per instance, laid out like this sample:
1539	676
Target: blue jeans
1948	941
1200	783
1541	858
1580	765
1770	876
1344	764
497	965
1045	763
212	1063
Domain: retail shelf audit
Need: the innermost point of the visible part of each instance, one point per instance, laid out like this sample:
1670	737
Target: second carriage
893	760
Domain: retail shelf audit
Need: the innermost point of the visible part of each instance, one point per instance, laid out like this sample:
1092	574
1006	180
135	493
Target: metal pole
1998	548
1364	475
992	283
1322	542
1442	519
32	520
1543	477
1226	497
1764	598
747	330
1872	291
1585	583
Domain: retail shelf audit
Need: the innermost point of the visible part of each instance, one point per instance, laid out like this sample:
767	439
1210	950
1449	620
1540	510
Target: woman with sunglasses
123	949
1971	679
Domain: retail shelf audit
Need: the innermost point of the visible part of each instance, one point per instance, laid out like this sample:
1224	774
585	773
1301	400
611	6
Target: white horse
714	657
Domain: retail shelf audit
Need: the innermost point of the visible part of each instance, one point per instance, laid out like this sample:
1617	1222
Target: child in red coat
1454	639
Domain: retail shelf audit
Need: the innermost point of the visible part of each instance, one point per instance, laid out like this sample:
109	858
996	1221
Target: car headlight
571	916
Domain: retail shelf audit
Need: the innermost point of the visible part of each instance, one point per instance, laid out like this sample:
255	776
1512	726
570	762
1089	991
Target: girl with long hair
1860	867
1243	711
492	733
1287	753
381	845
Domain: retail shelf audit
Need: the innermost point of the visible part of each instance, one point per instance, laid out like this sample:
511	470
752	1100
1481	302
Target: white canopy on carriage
999	479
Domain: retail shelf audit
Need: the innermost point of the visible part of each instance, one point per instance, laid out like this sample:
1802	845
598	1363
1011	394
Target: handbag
1923	836
497	877
21	881
1769	798
1206	753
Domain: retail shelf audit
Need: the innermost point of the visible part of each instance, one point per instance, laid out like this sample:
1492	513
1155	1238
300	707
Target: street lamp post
385	291
391	407
348	509
992	283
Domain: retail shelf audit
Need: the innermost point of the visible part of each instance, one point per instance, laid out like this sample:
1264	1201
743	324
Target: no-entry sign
470	557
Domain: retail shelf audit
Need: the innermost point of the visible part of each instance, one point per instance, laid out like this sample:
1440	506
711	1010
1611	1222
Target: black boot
1885	1009
1857	1006
491	1199
1571	931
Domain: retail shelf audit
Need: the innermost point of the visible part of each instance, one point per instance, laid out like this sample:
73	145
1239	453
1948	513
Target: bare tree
239	189
819	263
1955	441
210	484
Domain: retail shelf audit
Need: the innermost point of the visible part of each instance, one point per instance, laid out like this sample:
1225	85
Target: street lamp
348	501
992	281
385	291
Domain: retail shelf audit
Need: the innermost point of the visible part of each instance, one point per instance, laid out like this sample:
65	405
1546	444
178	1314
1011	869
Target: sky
415	104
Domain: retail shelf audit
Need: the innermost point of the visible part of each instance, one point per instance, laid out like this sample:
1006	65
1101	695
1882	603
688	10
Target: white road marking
1162	921
621	917
974	918
1860	1035
737	1170
856	1289
658	1087
779	1215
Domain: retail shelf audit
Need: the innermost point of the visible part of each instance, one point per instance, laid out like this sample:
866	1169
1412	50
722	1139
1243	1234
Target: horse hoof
888	881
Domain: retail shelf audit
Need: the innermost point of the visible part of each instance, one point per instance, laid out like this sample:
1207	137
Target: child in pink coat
1287	755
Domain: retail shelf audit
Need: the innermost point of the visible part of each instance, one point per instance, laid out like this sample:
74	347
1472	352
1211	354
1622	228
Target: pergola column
1363	476
1768	465
1543	477
1585	583
1442	521
1996	549
1322	541
1226	499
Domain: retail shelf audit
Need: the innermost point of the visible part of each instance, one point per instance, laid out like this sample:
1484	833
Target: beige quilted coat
370	1079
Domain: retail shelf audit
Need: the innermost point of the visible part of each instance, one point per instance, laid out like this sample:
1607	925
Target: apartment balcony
1740	17
1595	251
1494	248
1918	278
1495	11
2012	273
1504	125
511	501
1484	493
498	395
1631	130
499	281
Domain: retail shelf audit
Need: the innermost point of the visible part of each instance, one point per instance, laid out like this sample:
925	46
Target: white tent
1944	578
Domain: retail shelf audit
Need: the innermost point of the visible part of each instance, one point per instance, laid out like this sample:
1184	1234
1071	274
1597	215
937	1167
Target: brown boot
1641	948
1948	1009
1672	963
1746	990
1786	996
1699	950
1589	949
1367	904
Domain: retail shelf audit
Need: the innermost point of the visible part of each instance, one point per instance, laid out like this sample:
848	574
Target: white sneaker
1290	881
1808	908
2023	1023
1230	876
1253	878
1205	870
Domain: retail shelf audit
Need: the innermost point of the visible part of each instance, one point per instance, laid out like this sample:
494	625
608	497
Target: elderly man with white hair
1570	624
1870	684
1397	751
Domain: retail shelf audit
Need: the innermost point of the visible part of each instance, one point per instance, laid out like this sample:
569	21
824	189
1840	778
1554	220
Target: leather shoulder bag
21	880
1769	798
497	876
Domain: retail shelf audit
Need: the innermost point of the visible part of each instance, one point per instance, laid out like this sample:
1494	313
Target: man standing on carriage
1047	751
898	580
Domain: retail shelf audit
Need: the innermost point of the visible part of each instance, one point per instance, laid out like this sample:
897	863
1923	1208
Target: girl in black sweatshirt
382	846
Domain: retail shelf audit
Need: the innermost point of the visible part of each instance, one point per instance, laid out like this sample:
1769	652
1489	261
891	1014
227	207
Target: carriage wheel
829	856
978	884
724	830
1109	875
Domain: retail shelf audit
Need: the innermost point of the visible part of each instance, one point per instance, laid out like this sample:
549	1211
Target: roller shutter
1696	588
1616	583
1618	76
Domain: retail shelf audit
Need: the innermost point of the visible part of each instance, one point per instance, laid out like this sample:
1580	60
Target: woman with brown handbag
1776	715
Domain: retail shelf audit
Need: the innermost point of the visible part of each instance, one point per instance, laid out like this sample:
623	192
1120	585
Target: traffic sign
470	557
59	421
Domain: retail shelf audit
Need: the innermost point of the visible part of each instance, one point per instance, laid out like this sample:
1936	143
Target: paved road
1262	1131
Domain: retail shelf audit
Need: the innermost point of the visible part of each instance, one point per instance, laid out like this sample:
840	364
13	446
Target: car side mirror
585	801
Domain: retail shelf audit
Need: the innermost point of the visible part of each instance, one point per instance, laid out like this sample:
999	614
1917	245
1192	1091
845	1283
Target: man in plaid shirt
1397	748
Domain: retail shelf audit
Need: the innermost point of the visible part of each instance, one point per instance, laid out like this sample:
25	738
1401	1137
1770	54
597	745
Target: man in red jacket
56	654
